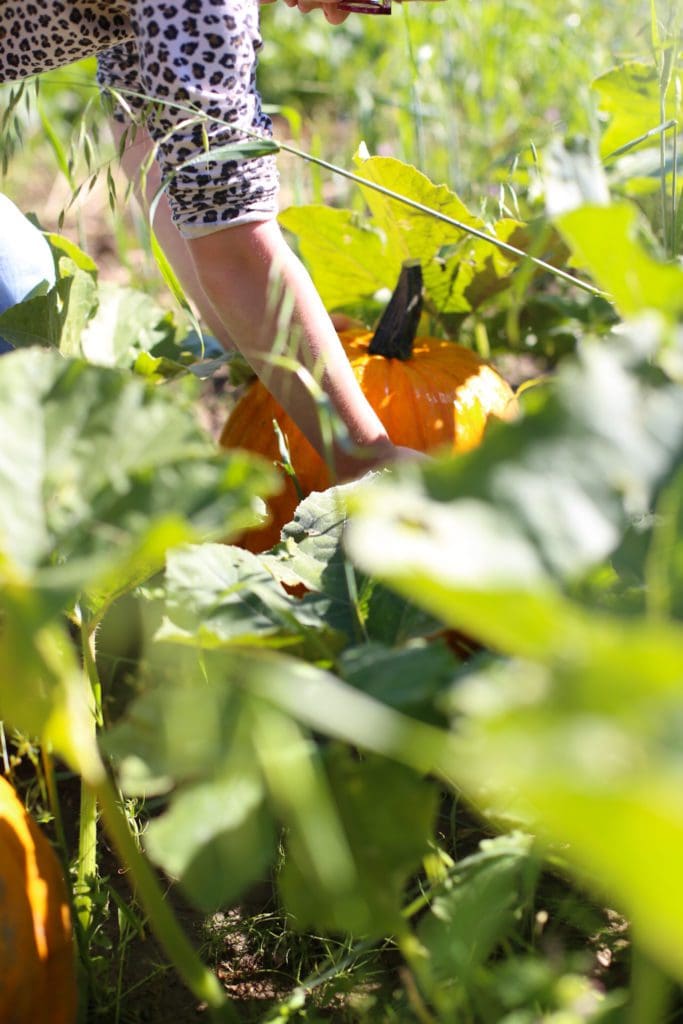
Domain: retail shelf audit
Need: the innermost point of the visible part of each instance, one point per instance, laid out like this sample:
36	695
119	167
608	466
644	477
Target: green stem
87	822
414	956
90	665
650	990
180	952
55	809
85	980
87	857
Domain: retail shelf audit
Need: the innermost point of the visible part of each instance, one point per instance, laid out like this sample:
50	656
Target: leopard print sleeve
201	55
195	60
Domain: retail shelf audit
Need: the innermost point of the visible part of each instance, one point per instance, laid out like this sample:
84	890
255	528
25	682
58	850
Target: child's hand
329	8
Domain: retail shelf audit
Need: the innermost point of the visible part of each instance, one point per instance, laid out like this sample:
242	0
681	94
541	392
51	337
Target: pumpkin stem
395	332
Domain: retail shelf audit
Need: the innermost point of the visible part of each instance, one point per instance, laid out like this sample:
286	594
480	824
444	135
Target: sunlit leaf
452	260
219	595
216	838
352	259
348	259
98	461
630	95
608	243
475	912
387	814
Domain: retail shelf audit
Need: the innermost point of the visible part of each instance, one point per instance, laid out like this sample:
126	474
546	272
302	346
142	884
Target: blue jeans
25	259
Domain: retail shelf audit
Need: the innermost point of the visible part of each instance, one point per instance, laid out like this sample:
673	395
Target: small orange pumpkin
37	967
428	393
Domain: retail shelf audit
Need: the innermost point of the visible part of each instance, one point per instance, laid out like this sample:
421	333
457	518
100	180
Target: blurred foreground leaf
234	728
104	474
630	95
629	272
479	906
571	726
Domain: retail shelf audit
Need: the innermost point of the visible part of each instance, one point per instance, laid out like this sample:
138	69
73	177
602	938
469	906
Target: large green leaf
221	728
347	256
585	747
169	737
104	473
630	95
216	838
217	595
409	679
454	263
607	242
479	906
97	458
56	317
387	814
352	259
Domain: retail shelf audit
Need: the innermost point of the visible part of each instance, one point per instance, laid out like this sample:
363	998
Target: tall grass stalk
665	48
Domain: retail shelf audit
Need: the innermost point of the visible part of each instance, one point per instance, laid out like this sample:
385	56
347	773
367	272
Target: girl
219	226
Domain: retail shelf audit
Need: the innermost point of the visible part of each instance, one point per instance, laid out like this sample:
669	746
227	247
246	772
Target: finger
334	15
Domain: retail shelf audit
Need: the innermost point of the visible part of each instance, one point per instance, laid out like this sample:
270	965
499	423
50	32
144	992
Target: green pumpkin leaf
230	720
217	595
347	257
216	839
97	461
387	814
355	604
63	246
584	746
408	679
607	242
630	95
35	321
58	316
168	737
352	260
478	907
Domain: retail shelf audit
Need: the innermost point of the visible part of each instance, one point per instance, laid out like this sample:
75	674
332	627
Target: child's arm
262	294
220	262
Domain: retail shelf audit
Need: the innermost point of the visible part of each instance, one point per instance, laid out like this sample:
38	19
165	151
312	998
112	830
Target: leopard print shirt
186	56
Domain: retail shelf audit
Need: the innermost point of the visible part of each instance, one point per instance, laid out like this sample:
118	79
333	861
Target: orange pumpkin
37	968
428	393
